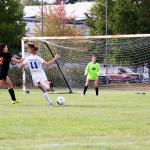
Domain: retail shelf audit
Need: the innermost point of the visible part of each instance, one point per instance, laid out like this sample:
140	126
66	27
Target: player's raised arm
15	60
24	63
47	63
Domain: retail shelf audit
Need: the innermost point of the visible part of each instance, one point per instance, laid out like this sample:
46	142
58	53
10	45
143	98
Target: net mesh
124	61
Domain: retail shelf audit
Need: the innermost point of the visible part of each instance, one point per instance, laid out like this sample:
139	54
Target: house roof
77	10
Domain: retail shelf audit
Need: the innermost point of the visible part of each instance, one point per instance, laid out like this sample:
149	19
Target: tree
12	26
96	17
124	17
131	17
56	23
31	2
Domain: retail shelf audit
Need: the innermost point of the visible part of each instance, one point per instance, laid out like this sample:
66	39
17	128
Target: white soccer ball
60	100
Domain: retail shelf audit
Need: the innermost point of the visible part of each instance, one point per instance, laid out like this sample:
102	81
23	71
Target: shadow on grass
63	93
81	106
61	106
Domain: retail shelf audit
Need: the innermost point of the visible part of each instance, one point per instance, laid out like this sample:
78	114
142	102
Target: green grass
116	120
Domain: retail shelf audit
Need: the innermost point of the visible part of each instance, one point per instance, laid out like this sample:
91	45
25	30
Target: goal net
124	60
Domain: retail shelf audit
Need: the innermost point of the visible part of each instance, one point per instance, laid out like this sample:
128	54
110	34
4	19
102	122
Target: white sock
50	102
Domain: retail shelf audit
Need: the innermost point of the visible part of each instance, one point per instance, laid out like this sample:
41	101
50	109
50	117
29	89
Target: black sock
85	89
12	94
97	91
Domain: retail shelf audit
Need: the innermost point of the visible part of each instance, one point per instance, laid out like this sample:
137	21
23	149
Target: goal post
126	62
70	90
23	71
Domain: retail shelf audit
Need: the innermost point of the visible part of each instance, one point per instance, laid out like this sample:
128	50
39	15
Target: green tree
96	18
130	17
124	17
12	26
31	2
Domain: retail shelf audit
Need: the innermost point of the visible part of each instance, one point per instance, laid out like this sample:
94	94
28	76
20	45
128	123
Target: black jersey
5	59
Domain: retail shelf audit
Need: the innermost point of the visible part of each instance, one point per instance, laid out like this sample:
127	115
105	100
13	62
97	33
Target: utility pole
106	43
42	19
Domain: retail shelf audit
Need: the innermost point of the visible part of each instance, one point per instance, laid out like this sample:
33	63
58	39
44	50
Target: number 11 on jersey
33	65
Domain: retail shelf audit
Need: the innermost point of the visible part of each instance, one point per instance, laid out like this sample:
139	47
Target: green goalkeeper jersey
92	71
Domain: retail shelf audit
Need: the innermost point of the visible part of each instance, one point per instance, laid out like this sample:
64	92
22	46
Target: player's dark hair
33	47
94	56
36	48
2	46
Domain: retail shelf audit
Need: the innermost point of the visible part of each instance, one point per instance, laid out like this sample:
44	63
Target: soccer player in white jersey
35	65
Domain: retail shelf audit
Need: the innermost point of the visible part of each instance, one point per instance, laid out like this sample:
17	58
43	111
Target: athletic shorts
40	79
92	79
3	76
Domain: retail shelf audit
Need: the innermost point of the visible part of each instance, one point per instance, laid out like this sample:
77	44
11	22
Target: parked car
121	74
103	78
124	74
145	72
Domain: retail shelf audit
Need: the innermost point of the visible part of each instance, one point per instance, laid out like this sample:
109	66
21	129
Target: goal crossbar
87	37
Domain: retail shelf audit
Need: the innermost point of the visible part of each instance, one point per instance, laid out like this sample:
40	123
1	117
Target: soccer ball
60	100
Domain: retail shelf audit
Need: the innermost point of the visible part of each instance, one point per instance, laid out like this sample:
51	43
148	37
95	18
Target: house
33	15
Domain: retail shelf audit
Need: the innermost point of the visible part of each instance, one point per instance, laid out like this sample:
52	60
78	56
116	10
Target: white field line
90	144
64	145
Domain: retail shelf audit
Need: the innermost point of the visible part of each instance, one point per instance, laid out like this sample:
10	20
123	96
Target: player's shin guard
97	91
85	89
50	102
12	94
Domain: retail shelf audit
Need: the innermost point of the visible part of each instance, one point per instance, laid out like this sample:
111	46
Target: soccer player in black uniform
5	59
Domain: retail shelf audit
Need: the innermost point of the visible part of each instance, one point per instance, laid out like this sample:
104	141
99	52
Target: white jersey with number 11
35	65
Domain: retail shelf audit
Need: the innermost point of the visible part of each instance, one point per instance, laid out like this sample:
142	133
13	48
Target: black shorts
3	76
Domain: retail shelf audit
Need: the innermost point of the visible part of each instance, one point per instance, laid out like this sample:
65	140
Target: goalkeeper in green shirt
92	72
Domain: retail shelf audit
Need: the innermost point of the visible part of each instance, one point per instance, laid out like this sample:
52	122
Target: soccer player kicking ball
35	64
5	59
92	71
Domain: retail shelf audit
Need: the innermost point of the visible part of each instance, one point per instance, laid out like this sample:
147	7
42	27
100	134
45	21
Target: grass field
116	120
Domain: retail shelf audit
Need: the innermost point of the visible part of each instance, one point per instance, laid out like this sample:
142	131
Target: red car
124	74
